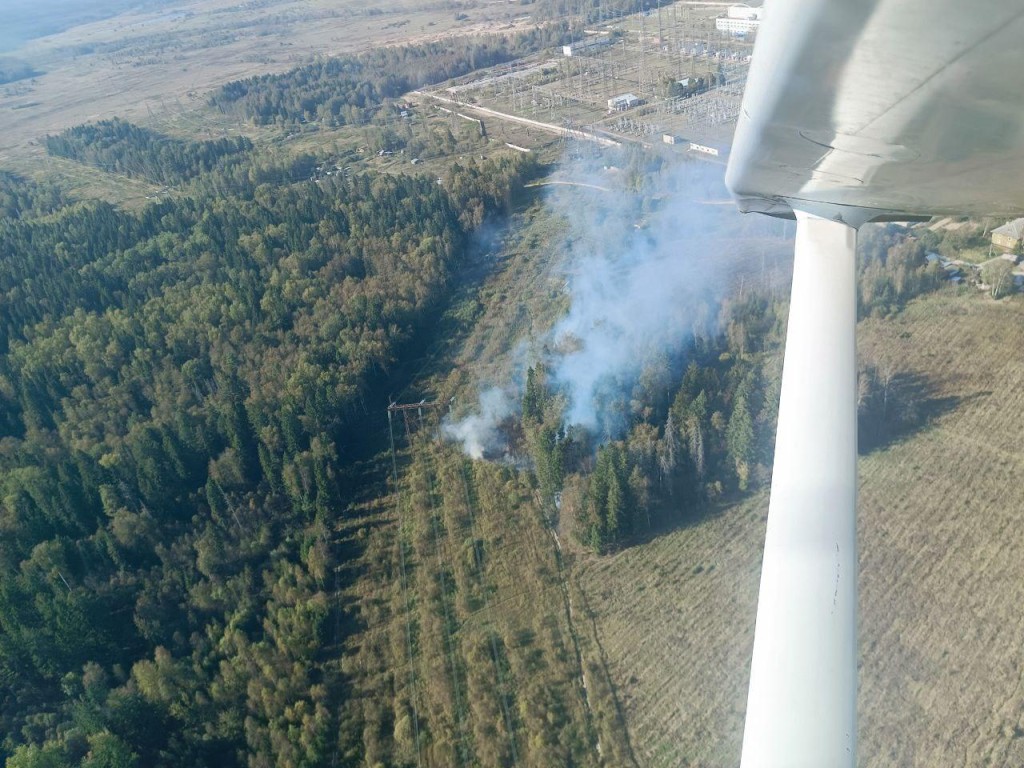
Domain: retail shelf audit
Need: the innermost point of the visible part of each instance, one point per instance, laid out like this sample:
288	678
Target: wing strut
802	702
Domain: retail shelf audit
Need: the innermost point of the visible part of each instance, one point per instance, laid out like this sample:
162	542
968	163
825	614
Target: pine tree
533	397
615	511
668	450
639	493
739	436
695	433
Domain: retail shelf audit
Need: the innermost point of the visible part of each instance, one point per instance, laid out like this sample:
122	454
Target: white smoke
478	432
645	275
641	284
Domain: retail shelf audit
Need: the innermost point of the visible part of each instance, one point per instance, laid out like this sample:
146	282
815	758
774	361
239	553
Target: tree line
347	90
892	268
118	146
590	12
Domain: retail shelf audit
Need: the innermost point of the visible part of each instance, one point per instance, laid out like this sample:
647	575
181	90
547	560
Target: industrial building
622	102
585	45
740	20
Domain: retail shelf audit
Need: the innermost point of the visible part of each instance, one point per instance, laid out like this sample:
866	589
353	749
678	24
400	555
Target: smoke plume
645	273
478	432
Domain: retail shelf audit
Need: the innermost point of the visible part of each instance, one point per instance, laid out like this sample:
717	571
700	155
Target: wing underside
897	107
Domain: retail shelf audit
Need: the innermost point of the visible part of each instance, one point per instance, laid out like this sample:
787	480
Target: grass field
942	579
156	66
675	616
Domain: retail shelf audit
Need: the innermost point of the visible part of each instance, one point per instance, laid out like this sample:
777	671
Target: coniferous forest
118	146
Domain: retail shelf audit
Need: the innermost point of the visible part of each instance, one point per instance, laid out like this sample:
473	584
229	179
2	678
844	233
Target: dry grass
156	67
942	579
676	619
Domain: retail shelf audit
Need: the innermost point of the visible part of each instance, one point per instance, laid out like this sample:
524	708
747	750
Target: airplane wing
855	111
892	106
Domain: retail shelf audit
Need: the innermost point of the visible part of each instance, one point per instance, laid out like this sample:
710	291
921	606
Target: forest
347	90
187	401
118	146
183	393
21	198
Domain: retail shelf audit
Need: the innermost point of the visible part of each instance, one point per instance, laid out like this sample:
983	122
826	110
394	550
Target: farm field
941	577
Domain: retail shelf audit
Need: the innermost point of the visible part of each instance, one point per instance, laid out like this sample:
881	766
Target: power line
478	562
405	593
449	639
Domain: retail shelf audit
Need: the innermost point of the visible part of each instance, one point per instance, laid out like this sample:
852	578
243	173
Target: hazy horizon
26	20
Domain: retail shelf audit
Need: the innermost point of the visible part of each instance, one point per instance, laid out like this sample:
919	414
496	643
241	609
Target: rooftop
1014	229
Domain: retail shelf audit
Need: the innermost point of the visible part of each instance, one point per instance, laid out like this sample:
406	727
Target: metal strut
802	701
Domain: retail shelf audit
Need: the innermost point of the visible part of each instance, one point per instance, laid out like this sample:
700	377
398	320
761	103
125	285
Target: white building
585	45
622	101
740	19
704	149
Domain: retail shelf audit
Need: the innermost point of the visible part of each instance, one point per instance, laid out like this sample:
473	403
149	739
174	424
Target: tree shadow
676	513
896	406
